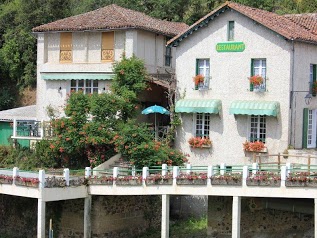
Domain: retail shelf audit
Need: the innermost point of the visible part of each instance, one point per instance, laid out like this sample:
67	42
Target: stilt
40	218
87	217
165	216
236	216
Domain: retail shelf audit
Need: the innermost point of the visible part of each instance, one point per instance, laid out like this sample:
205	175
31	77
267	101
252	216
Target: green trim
76	76
314	79
269	108
198	106
251	74
230	28
305	127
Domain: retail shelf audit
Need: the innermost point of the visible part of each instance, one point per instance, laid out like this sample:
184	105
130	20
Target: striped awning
76	76
198	105
269	108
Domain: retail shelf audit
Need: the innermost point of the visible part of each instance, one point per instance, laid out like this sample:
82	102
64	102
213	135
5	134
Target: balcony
66	56
31	129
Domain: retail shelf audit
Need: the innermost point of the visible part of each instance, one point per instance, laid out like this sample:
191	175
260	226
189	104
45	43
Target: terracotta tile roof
282	25
307	20
113	17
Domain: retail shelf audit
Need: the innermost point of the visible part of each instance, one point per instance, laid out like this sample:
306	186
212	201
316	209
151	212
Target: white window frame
205	71
311	128
86	89
260	69
257	129
205	124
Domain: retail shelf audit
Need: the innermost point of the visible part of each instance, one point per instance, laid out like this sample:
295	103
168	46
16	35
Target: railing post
255	168
145	173
42	178
245	174
87	172
115	174
210	173
14	127
288	168
175	174
222	168
283	176
15	173
133	170
66	176
164	169
188	168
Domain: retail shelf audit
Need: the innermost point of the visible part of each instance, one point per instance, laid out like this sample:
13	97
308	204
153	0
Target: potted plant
29	182
129	180
200	142
191	178
264	178
158	179
198	80
255	82
256	146
6	179
301	179
314	88
227	179
102	180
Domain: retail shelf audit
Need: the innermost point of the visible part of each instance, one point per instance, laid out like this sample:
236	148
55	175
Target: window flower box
200	142
104	180
6	179
301	179
129	181
264	178
256	146
199	81
55	182
191	179
257	83
28	182
158	179
289	183
227	179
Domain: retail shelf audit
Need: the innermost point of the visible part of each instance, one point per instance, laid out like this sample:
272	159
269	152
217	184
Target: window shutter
305	127
314	80
66	47
252	74
107	46
197	66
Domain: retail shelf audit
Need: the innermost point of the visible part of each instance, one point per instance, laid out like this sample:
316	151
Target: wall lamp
59	89
307	98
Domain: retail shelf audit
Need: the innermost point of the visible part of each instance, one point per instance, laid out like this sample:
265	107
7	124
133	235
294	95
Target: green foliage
136	144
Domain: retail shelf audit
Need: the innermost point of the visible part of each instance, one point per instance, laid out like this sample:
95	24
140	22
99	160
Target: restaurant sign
230	47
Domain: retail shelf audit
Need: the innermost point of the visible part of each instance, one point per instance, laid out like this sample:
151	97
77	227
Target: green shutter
252	74
305	127
314	79
197	71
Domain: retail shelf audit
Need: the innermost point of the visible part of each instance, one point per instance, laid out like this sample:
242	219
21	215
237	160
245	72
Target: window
202	68
230	30
107	47
66	47
168	56
88	86
258	68
312	80
257	128
309	128
202	125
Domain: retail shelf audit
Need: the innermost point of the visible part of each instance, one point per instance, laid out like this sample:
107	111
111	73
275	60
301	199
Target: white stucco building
228	46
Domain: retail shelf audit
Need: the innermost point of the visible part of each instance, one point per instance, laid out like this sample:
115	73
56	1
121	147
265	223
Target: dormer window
66	55
230	30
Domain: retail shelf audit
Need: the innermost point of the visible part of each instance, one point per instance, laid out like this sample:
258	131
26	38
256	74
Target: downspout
291	93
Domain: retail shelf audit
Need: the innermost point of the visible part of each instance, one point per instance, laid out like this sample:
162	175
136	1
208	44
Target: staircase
106	168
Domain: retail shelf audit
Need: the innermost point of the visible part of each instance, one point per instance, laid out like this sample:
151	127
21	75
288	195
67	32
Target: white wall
229	82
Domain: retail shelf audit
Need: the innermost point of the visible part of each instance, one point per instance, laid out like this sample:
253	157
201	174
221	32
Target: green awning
255	108
198	105
70	76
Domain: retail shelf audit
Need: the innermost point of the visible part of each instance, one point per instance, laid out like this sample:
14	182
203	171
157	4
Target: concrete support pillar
164	169
66	176
175	174
210	173
87	172
236	216
42	179
315	200
188	168
40	218
222	168
255	168
283	176
87	217
165	216
245	174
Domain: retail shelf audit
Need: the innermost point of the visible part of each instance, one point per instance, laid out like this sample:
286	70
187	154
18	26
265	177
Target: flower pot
191	181
6	181
295	184
311	184
97	181
272	183
53	182
226	182
133	182
159	182
26	184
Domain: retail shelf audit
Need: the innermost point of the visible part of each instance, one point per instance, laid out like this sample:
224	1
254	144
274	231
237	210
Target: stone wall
111	216
259	220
